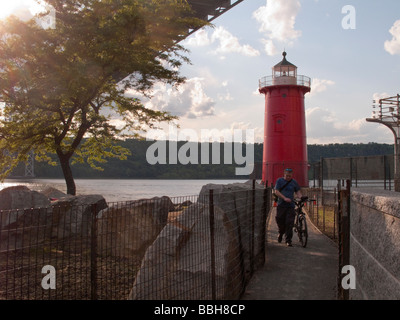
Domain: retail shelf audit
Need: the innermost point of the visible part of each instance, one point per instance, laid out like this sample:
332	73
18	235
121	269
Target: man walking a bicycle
286	188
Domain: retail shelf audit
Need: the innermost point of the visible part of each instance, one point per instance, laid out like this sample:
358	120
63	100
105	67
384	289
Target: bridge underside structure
211	9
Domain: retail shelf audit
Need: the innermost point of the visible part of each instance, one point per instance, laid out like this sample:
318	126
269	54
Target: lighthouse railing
299	80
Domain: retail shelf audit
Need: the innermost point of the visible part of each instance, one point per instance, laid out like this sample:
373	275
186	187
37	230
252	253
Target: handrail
298	80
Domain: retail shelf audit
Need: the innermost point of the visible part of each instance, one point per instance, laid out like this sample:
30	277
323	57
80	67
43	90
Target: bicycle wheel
302	231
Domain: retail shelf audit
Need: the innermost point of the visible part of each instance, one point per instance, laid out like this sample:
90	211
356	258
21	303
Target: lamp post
388	114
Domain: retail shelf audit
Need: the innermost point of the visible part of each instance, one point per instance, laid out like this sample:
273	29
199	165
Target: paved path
296	273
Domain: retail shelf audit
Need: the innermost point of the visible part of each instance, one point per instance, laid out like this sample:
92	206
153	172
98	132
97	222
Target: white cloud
277	22
270	47
199	39
258	132
225	97
323	126
229	43
377	96
201	104
240	126
277	19
393	46
188	100
320	85
226	42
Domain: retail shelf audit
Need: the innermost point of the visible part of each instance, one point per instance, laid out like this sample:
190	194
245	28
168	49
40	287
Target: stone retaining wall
375	244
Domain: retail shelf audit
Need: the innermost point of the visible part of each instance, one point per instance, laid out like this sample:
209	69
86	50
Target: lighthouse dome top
284	73
284	68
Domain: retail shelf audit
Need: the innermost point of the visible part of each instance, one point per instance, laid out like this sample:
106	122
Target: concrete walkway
296	273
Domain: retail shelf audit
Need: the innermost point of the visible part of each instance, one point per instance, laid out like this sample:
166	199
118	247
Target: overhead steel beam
209	10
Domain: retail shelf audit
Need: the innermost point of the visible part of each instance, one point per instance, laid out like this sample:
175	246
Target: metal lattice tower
30	165
387	112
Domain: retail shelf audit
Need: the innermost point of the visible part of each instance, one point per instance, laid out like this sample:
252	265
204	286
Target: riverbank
114	190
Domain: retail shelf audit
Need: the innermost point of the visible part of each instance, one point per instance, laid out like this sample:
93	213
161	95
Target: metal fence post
253	201
321	175
93	253
266	207
344	236
335	212
212	245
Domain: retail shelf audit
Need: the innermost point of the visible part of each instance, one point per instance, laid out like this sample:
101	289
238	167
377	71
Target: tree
62	85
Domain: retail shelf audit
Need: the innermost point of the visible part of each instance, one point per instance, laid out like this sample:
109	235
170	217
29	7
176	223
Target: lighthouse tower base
285	141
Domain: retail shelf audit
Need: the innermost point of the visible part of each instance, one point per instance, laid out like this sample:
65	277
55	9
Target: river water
121	190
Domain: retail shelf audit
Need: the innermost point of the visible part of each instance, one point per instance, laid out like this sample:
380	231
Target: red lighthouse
285	142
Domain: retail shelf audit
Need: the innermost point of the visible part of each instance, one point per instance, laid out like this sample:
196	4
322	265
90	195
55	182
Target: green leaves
61	85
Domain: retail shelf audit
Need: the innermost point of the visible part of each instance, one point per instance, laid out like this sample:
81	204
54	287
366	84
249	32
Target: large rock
29	218
236	200
54	194
72	215
21	197
14	200
23	213
128	230
178	265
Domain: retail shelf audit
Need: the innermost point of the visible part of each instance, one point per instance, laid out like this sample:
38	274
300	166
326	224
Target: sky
349	48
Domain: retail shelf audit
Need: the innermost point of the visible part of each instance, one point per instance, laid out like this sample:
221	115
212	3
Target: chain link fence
323	210
194	247
329	175
368	171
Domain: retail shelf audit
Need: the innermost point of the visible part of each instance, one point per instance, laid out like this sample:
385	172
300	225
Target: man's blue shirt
288	192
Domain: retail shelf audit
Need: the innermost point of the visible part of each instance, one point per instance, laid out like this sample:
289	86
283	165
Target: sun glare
19	8
6	8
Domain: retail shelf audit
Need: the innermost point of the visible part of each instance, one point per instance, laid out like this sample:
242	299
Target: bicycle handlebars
302	200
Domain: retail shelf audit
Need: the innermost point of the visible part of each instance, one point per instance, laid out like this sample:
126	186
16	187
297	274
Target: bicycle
300	224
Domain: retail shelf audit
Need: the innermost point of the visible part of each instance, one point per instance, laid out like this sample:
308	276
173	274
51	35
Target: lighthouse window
279	123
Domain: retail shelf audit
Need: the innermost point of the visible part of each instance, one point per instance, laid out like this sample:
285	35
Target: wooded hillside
137	166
